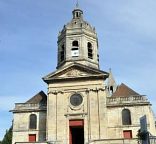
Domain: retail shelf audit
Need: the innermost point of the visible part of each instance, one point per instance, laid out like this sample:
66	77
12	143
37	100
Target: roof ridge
124	91
37	98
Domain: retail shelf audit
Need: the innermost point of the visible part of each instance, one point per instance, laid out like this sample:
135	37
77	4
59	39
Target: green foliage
142	136
7	137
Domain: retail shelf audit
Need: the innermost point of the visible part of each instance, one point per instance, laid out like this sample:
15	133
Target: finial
110	70
77	4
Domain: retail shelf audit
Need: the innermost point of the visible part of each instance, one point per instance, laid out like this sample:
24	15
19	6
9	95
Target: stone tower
76	107
77	42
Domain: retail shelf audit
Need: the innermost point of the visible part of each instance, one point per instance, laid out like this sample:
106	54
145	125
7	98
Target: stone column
52	116
102	113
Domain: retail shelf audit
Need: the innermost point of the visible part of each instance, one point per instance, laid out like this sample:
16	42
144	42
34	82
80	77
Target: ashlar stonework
83	105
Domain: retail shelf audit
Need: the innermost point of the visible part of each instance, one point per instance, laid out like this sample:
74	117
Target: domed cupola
77	42
77	14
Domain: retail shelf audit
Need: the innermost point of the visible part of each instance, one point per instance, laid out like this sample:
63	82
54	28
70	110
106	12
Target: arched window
126	117
90	50
111	89
32	121
75	43
77	14
62	53
75	49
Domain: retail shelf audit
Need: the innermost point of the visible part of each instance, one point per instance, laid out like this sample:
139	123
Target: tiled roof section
40	97
124	91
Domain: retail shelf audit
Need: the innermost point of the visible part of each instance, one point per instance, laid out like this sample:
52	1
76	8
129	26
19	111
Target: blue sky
28	45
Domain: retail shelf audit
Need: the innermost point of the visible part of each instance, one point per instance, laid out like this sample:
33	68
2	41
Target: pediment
75	71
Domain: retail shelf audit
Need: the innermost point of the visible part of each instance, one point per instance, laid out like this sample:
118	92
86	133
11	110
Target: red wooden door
70	136
74	124
127	134
32	137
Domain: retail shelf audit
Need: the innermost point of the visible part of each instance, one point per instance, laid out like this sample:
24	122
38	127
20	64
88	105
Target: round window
76	99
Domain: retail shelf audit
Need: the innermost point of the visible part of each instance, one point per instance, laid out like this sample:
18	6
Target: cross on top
77	3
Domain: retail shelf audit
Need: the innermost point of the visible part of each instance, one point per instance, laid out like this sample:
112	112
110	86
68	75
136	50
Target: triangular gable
75	71
124	91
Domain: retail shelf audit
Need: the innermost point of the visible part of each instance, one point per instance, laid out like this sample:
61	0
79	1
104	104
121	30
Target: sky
28	45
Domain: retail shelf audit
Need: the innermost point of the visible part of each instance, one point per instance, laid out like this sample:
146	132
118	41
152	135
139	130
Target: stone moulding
131	100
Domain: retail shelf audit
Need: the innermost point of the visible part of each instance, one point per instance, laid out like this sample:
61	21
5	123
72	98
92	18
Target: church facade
83	105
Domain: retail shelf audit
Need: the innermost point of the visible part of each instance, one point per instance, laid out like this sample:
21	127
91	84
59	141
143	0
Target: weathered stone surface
100	112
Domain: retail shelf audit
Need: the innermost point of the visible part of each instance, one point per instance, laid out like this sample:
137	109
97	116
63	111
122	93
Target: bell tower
76	90
77	42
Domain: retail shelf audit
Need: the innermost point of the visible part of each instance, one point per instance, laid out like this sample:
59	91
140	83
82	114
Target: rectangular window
127	134
62	56
32	137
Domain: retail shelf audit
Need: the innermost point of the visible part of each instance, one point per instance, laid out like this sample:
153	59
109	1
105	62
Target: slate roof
40	97
124	91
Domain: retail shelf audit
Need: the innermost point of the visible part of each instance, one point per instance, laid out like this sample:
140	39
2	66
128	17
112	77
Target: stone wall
21	129
92	110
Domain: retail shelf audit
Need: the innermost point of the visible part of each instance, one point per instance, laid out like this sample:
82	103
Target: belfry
83	105
77	42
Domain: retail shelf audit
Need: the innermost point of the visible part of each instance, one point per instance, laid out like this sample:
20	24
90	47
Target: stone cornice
95	90
27	110
28	107
75	114
127	101
55	92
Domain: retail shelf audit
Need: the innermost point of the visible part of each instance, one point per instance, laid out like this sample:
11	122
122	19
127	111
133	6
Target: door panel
76	135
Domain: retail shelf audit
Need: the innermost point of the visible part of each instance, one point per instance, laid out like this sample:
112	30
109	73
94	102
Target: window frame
126	117
75	43
90	50
62	53
75	49
32	121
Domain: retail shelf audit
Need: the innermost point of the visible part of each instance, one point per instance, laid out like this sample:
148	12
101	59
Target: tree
7	137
